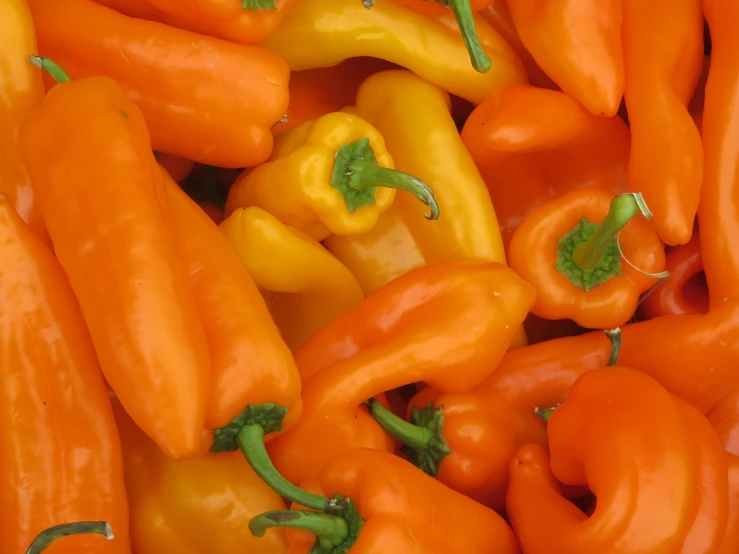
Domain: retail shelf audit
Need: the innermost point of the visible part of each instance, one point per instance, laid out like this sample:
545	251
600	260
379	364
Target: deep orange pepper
578	273
60	456
204	99
730	542
99	189
393	339
724	417
578	44
177	167
140	9
663	47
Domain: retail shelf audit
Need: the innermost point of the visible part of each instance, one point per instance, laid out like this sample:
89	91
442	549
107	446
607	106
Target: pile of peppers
369	276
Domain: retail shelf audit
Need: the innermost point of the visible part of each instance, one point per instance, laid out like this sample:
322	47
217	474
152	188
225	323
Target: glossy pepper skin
60	452
304	285
204	99
662	69
533	145
323	33
719	209
21	92
578	44
99	189
543	251
634	444
180	506
392	339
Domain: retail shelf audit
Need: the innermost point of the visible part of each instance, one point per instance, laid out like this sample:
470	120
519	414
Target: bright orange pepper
730	542
177	167
724	416
140	9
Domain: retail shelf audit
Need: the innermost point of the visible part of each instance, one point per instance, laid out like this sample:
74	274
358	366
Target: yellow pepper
323	33
329	175
305	287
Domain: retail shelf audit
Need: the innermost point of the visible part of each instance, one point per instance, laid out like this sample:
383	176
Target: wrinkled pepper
578	44
98	188
571	249
635	445
533	145
204	99
719	208
323	33
21	92
330	175
423	516
304	285
60	455
663	52
392	339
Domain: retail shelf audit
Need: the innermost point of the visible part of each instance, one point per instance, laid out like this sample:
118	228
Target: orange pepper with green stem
204	99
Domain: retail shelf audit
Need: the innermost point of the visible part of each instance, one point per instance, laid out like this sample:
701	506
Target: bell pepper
60	456
570	249
329	175
98	187
195	506
719	209
663	53
390	340
381	503
684	291
140	9
204	99
635	445
304	285
533	145
578	44
323	33
22	92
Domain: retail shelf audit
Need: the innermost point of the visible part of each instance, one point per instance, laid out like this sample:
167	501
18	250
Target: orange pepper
578	44
99	190
634	444
663	46
575	263
60	452
175	166
724	416
140	9
184	83
730	542
390	340
533	145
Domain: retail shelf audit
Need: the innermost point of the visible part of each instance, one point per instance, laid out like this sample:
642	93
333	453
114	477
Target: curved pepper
21	92
329	175
304	285
323	33
180	506
578	44
59	451
575	263
626	437
662	68
390	340
140	9
532	145
99	189
204	99
719	209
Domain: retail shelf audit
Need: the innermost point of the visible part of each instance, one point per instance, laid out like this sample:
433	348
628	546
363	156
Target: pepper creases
60	455
204	99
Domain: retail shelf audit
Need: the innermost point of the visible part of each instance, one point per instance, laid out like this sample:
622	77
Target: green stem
331	531
59	75
544	413
258	5
368	3
45	538
614	335
409	434
466	21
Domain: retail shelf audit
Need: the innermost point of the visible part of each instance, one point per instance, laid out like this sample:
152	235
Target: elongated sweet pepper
392	339
204	99
60	456
353	512
532	145
634	444
323	33
98	187
662	68
330	175
304	285
571	250
21	92
719	209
